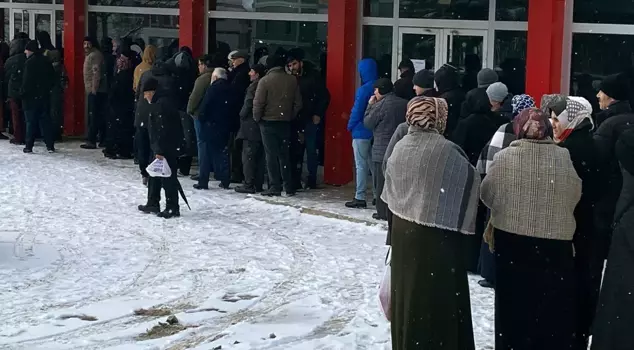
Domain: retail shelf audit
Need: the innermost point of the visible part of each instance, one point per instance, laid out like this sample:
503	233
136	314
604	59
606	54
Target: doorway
430	48
31	22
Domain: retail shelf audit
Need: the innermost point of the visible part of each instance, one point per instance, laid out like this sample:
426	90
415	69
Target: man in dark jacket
616	116
37	83
475	97
214	124
13	77
240	81
307	127
253	158
276	103
447	81
384	113
404	86
165	136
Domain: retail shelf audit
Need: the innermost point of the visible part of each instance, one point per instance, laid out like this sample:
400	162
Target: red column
74	97
340	79
192	25
544	47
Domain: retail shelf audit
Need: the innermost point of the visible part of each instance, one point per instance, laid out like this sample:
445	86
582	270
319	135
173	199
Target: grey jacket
383	118
249	129
277	97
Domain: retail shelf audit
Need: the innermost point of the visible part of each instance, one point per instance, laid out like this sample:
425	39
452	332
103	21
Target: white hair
219	73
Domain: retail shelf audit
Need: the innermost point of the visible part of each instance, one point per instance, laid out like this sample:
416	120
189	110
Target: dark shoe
3	136
15	142
376	216
311	185
110	155
136	161
236	181
259	189
149	209
168	214
124	156
88	146
27	150
145	181
355	203
374	202
271	193
194	177
245	189
486	284
224	187
290	193
51	150
102	144
199	187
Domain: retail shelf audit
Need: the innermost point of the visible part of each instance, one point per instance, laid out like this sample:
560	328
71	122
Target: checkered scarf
501	139
428	113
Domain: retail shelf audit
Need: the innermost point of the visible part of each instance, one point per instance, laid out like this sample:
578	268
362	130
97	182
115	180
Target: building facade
537	46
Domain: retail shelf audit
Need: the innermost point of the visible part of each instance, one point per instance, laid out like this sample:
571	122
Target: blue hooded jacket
369	73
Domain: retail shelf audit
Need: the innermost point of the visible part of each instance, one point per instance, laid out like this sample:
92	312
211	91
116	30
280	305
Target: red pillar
340	79
192	25
544	47
74	97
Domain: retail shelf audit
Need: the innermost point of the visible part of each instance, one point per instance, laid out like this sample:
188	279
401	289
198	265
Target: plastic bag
159	168
385	288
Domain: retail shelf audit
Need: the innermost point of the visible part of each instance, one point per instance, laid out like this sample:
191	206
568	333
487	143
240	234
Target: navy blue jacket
216	116
368	72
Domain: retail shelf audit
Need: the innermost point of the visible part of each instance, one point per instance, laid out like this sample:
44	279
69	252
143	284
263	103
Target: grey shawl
429	181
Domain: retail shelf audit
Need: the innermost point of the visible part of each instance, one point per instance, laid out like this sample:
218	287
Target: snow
236	268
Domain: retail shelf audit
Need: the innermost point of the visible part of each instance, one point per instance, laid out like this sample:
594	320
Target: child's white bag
385	290
159	168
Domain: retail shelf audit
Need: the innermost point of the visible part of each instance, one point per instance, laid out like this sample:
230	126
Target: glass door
31	22
465	49
422	46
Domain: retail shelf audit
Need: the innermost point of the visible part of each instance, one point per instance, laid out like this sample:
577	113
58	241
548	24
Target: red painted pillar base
74	96
192	25
340	79
544	47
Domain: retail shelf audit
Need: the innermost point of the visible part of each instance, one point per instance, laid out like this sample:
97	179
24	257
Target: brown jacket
93	74
277	97
149	56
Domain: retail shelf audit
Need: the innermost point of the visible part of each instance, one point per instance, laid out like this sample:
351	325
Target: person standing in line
308	125
385	112
572	126
474	97
13	76
612	328
96	87
276	103
253	158
194	104
165	134
448	85
119	144
149	57
430	304
214	125
361	136
57	93
404	86
532	189
36	100
240	81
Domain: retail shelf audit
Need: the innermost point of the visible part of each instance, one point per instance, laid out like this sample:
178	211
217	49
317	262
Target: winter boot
376	216
271	193
169	213
51	149
88	145
356	203
27	150
199	187
150	209
245	189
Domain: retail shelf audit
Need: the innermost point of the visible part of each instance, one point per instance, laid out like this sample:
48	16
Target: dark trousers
143	152
17	119
216	156
169	184
304	139
235	151
120	133
379	182
253	163
97	108
275	138
38	116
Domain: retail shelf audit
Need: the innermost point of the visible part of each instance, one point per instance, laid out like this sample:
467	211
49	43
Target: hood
149	55
477	101
447	78
17	46
368	70
160	68
407	74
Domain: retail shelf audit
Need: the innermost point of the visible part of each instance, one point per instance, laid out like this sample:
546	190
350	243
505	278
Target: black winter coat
14	68
167	87
615	315
164	126
217	114
475	101
404	87
37	81
616	119
449	88
249	128
122	94
240	81
315	95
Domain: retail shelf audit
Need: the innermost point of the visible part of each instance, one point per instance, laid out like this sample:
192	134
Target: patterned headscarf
574	114
123	63
586	104
520	103
428	113
532	123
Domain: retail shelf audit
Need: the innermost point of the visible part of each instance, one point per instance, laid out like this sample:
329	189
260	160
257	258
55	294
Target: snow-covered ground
236	269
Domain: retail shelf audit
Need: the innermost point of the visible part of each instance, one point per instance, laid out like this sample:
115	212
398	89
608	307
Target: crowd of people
533	199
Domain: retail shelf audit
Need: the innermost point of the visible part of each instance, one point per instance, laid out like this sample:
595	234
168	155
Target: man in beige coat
277	101
96	88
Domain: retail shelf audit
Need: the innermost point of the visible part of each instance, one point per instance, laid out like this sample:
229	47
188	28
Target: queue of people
533	199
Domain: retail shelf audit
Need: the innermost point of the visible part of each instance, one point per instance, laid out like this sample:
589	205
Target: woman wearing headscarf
430	305
532	190
572	126
121	118
612	328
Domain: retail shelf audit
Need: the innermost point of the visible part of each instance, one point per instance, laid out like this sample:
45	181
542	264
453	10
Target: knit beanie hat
486	77
424	79
32	46
497	92
384	85
150	85
616	86
260	69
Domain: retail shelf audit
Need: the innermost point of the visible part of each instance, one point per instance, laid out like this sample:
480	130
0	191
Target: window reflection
378	8
377	44
511	10
455	9
604	11
279	6
510	59
136	3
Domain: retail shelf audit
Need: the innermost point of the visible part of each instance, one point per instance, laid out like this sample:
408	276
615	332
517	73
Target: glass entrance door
31	22
430	48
